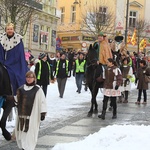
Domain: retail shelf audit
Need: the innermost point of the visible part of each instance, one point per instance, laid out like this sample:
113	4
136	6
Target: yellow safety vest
39	73
80	67
57	67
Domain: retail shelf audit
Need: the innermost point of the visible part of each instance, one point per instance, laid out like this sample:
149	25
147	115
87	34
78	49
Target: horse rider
12	56
103	49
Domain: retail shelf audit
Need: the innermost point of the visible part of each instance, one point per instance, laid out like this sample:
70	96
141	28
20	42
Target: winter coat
104	52
142	71
45	73
127	73
62	71
112	77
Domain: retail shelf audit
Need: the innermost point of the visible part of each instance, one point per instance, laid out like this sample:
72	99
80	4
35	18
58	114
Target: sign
119	26
58	43
74	38
65	38
35	33
84	44
87	38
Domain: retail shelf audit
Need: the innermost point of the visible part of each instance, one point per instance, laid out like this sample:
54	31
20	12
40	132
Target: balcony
34	4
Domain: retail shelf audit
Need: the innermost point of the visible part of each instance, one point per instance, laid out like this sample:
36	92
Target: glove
116	87
42	116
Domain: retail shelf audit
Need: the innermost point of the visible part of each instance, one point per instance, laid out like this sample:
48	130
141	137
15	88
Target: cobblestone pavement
78	127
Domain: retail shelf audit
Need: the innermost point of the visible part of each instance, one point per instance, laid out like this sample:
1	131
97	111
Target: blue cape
16	65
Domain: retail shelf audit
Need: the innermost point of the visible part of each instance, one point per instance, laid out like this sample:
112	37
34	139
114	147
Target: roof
135	4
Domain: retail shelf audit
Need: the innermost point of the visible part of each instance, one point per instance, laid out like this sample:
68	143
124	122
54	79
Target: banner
133	39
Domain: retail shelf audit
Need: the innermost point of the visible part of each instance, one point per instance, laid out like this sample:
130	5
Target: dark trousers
113	104
61	86
140	94
126	93
79	78
44	87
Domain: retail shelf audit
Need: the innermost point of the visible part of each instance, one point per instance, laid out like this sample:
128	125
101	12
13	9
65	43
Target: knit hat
42	55
62	53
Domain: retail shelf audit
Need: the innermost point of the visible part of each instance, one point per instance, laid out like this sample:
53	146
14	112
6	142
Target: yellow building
70	27
74	35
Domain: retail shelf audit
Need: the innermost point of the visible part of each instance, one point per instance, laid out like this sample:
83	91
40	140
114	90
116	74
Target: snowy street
68	128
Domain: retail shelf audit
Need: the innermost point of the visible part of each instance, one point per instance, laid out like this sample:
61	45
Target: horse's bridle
92	62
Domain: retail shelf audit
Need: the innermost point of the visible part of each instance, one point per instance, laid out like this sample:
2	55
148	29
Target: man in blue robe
12	56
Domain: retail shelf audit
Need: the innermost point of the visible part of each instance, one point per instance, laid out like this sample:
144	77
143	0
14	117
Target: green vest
130	63
80	67
57	67
39	73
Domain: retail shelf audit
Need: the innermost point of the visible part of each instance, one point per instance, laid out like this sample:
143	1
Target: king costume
12	56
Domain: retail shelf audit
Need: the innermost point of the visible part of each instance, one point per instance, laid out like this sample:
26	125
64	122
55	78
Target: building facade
71	31
41	32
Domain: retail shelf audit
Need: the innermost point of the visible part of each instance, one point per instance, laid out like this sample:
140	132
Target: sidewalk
80	126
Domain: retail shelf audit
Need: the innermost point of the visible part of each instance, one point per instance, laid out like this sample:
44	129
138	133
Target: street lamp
126	27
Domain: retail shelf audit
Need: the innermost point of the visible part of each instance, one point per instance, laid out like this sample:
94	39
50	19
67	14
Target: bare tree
18	12
98	17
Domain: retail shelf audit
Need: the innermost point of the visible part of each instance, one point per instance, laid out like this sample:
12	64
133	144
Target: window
35	33
42	27
62	14
132	18
44	37
73	14
102	14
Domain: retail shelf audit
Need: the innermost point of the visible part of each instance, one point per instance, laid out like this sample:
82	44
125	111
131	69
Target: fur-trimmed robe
12	56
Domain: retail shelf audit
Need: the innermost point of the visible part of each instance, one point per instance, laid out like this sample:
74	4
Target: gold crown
118	33
10	25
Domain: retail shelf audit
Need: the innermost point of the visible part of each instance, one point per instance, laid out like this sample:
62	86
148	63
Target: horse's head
92	54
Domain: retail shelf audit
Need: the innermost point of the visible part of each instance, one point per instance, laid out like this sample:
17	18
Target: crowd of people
30	81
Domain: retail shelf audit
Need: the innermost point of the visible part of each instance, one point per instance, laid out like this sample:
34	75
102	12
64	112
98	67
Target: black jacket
45	73
62	73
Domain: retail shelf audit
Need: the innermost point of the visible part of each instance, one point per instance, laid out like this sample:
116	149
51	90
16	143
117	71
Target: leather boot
114	114
102	116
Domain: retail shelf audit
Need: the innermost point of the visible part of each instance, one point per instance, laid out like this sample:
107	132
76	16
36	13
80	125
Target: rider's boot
102	116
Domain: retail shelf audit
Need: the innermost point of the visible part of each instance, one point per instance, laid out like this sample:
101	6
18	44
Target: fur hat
42	55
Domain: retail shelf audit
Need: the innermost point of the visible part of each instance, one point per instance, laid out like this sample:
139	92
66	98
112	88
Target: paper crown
118	37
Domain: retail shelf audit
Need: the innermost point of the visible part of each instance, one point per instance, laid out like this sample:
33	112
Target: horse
7	103
94	80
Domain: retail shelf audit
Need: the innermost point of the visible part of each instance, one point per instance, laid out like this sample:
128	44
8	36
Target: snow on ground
113	137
